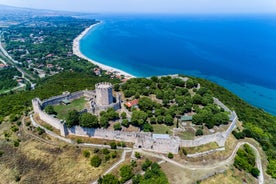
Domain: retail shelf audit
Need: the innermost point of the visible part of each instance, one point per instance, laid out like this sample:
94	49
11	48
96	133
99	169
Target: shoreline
77	51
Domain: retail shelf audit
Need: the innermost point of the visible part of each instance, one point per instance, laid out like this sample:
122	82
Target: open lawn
62	110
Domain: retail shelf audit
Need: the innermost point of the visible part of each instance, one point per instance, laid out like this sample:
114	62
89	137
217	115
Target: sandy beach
76	51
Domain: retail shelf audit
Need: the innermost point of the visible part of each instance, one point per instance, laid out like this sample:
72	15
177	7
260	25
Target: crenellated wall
140	139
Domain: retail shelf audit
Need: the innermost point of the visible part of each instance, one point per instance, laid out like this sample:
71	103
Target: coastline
77	51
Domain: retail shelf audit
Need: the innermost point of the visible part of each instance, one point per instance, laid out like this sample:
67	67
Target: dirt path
228	161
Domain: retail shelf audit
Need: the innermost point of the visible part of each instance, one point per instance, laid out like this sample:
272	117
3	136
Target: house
132	103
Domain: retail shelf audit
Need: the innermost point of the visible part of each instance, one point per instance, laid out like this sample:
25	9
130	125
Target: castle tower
104	94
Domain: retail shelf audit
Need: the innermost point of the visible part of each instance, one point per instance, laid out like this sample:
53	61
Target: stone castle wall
140	139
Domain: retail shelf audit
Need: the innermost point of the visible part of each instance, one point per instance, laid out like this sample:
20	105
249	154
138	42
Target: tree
108	179
160	119
96	161
117	126
138	118
111	114
49	109
88	120
220	118
126	173
199	132
146	165
104	122
125	123
116	87
123	115
113	145
72	118
146	104
147	127
255	172
168	120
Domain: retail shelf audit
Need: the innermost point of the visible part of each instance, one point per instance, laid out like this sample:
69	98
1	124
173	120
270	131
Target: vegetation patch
245	160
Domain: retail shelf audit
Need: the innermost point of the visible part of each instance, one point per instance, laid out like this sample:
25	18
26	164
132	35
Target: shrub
17	178
86	153
113	145
184	151
28	123
137	155
117	126
96	150
146	165
123	144
1	153
40	130
113	154
170	155
79	140
96	161
14	128
105	151
199	132
126	173
16	143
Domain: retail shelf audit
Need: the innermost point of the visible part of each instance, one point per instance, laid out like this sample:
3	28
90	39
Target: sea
237	52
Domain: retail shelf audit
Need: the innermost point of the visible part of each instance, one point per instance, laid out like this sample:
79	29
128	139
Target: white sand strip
76	51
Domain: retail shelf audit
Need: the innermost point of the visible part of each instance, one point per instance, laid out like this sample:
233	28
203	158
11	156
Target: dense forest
163	99
6	76
16	104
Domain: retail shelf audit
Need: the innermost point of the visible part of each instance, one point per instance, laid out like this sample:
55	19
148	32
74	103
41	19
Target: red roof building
132	103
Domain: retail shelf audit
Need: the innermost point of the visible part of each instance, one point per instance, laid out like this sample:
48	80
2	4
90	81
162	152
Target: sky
150	6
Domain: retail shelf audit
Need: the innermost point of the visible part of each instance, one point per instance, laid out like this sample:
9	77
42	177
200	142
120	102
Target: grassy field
62	110
162	129
35	161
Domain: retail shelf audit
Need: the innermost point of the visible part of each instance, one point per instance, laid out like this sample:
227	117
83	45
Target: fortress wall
75	95
166	145
44	116
219	103
219	137
89	94
53	100
233	124
57	99
102	133
141	139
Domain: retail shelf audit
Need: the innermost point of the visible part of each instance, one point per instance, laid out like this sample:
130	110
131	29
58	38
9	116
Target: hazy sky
164	6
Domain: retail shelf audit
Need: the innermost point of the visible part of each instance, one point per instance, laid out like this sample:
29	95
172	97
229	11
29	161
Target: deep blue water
237	52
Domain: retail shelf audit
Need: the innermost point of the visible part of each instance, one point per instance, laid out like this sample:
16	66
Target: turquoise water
237	52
